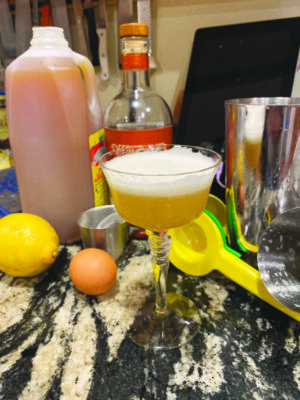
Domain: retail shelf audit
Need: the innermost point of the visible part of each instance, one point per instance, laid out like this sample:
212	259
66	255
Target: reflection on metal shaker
262	165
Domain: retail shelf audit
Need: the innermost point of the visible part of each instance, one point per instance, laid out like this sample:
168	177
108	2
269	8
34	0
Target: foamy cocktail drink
254	128
159	188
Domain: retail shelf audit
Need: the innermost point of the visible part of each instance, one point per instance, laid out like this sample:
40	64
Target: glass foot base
169	330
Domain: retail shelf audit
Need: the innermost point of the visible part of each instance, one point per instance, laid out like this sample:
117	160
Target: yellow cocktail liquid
160	190
252	153
160	213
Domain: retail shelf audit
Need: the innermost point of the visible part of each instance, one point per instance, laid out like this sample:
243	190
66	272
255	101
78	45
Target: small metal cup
103	228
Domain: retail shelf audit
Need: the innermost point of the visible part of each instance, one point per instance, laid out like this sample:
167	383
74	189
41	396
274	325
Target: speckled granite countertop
56	343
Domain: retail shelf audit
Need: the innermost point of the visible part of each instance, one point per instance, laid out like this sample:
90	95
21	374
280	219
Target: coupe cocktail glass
158	188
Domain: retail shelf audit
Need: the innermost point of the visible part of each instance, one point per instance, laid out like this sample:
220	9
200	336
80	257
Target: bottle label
134	46
135	61
97	148
3	119
118	138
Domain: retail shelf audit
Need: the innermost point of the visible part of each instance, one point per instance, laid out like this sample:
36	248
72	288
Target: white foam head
164	173
255	122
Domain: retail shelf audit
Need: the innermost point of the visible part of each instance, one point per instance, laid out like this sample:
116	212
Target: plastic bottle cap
133	29
48	35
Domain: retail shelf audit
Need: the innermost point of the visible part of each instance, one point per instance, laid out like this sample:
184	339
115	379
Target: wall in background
174	23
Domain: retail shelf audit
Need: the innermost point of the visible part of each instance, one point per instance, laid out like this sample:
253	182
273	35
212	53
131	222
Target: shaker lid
133	29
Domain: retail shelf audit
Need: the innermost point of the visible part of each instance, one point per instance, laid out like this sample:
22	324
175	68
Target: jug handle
96	116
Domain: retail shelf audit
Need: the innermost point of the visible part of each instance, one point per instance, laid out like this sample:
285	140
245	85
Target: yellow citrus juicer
200	247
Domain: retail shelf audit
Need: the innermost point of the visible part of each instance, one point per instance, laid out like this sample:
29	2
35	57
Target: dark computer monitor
256	59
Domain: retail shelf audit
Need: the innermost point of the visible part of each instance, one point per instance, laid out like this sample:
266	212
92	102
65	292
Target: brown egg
93	271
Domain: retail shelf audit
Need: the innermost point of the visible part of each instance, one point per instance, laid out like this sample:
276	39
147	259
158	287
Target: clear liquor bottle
137	115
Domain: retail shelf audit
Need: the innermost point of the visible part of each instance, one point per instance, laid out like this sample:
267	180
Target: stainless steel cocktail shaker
262	165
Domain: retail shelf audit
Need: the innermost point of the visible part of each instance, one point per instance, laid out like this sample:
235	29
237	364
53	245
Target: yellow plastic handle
249	278
198	248
96	115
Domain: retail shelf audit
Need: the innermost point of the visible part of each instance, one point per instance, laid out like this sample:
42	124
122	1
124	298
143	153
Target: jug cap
48	36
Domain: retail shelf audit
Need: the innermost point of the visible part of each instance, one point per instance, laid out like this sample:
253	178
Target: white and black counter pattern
56	343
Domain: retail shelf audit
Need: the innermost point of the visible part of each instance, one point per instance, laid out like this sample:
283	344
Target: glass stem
160	243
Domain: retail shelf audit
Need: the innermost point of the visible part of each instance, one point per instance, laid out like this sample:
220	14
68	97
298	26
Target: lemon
28	244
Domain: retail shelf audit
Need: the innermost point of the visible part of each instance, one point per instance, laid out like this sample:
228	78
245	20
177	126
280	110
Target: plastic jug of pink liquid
54	122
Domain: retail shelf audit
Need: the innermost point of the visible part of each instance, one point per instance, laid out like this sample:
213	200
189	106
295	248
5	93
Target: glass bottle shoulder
140	107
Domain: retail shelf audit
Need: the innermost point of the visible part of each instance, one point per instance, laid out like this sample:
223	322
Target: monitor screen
256	59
